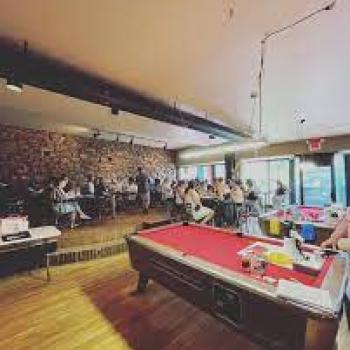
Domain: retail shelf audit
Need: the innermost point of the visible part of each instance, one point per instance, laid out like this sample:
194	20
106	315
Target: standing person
341	233
180	195
168	195
237	193
221	188
253	196
280	196
237	196
143	189
340	239
35	202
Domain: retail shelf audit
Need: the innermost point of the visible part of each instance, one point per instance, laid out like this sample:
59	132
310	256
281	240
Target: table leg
113	205
142	283
48	276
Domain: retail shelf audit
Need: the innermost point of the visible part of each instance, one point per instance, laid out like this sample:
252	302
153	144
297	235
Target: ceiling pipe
49	74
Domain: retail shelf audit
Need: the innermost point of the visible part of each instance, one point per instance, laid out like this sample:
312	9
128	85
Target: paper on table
306	295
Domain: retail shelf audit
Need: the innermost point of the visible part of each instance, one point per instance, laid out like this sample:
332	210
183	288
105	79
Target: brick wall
27	152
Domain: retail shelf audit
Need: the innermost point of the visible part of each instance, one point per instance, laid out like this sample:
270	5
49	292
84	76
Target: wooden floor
90	306
107	230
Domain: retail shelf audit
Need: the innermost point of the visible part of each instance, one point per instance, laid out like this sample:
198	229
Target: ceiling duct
32	68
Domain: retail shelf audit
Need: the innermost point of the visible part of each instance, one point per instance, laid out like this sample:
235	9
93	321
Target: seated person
118	185
101	188
198	211
252	191
211	191
340	237
131	190
202	188
280	196
89	186
65	204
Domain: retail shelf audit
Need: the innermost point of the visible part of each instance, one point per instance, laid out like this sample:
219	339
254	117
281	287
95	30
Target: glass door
317	180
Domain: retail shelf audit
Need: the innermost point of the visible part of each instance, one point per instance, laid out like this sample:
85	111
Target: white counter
39	235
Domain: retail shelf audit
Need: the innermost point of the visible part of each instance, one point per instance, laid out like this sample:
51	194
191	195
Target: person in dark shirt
100	188
143	189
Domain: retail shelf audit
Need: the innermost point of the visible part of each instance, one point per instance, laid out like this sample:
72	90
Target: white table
38	236
28	253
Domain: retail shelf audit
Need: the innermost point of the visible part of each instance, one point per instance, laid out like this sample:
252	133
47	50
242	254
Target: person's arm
341	231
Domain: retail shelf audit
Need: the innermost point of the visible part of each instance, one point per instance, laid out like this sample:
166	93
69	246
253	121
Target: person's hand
329	243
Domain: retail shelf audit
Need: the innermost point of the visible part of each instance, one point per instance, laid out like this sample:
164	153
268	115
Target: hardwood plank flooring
91	306
108	229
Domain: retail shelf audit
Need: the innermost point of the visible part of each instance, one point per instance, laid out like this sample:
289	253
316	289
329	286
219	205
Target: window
200	172
188	173
219	171
265	173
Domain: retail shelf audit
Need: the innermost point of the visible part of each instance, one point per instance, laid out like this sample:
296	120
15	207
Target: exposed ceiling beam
35	69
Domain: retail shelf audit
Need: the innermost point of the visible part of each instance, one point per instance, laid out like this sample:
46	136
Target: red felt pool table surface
220	247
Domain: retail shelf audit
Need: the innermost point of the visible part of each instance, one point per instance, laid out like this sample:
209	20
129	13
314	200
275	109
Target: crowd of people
63	196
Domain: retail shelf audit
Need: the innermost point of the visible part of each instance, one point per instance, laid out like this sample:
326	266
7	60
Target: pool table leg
142	283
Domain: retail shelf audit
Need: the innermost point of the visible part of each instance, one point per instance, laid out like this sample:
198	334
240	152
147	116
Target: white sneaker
85	217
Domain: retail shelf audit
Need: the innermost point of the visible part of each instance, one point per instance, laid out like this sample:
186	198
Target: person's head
249	183
90	178
131	180
99	180
220	180
237	186
53	182
139	170
63	181
191	185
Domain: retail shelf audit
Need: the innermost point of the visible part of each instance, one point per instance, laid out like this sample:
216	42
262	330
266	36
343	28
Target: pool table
201	264
307	214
